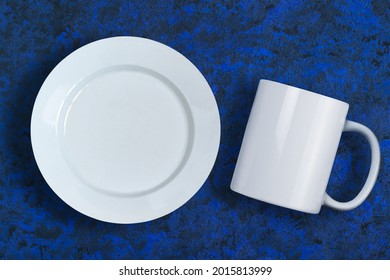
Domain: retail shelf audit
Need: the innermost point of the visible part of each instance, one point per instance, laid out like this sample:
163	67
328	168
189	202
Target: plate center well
125	130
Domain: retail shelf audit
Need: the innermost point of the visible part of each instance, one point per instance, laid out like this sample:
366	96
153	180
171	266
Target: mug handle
372	174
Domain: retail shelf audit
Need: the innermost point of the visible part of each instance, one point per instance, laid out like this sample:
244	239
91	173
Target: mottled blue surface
339	49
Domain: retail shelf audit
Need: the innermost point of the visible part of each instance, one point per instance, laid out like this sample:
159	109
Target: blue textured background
337	49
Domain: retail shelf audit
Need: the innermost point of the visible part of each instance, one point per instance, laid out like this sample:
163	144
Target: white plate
125	130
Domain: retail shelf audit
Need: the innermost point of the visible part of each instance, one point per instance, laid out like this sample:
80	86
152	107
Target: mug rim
306	91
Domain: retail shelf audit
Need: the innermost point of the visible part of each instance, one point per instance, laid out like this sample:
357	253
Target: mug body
289	147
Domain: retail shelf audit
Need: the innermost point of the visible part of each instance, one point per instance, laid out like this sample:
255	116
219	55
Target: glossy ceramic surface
125	130
289	147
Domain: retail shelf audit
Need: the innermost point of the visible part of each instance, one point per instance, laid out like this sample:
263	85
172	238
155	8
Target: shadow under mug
289	147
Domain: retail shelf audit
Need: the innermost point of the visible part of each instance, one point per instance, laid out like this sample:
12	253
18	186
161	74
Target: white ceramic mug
289	147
